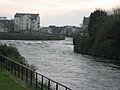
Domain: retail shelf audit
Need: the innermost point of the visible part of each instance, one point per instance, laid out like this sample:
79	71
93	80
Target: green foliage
82	44
8	82
12	53
96	18
105	49
104	40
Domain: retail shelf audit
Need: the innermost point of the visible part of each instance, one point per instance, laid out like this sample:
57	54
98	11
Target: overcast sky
55	12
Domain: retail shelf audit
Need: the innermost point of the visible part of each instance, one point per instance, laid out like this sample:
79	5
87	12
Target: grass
8	82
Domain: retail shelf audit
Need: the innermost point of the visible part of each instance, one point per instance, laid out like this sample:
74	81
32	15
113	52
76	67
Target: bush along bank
104	36
12	53
8	51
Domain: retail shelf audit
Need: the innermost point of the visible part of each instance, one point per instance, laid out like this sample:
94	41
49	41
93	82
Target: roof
32	16
4	21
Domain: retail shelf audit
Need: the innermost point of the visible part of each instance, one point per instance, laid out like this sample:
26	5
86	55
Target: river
57	60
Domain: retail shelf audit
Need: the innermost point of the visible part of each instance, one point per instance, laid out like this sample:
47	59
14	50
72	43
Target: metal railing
35	80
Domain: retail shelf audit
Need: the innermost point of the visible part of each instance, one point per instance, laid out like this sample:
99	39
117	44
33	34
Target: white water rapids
57	60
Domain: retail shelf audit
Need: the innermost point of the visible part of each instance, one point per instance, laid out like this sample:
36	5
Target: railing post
49	84
0	64
26	75
66	88
14	69
3	64
6	64
22	73
31	77
18	71
36	80
11	67
56	86
42	83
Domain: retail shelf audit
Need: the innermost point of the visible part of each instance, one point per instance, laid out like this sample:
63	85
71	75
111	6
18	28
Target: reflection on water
57	60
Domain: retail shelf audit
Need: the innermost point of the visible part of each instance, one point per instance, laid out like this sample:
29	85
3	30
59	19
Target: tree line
104	35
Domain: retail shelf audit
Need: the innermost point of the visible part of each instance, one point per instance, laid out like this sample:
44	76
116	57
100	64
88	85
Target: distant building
25	21
5	24
46	30
71	30
3	18
86	20
64	30
84	31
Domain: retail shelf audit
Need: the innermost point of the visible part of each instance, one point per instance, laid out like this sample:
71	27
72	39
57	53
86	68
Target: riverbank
104	36
105	49
11	36
8	82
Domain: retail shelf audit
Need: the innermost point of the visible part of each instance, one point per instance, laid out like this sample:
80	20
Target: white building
25	21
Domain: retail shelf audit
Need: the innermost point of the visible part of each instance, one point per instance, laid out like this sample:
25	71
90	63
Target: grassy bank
8	82
11	36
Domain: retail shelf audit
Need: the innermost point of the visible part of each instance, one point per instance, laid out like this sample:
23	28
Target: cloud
74	1
70	11
73	17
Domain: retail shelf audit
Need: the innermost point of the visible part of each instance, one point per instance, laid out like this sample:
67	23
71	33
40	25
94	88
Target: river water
57	60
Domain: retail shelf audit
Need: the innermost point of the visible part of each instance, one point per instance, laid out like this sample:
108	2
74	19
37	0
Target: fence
35	80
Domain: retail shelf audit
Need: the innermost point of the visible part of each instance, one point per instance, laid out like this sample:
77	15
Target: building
85	22
46	30
63	30
4	24
84	31
26	22
70	31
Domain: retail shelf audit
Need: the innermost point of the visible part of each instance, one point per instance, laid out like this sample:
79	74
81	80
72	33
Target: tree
95	20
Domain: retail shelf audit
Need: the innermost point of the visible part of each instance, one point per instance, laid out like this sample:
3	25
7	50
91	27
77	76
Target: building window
16	21
5	29
38	27
21	23
26	27
27	24
21	27
27	20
